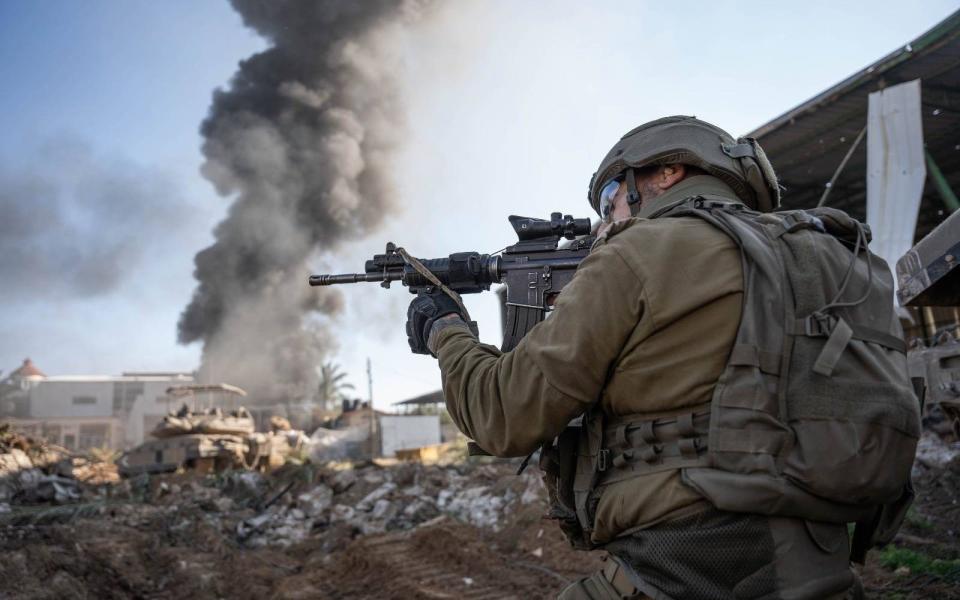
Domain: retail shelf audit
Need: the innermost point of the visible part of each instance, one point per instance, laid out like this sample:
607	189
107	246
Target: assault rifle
534	270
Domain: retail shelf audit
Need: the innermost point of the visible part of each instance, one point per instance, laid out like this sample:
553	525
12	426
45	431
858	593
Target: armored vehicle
927	276
210	432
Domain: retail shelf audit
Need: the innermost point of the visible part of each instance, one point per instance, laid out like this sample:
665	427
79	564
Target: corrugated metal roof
808	142
430	398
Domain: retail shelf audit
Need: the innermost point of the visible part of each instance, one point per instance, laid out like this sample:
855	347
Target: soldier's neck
691	186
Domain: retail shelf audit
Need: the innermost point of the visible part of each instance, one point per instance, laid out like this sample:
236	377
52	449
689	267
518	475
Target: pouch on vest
558	461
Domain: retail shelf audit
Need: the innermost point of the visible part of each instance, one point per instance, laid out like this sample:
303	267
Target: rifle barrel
322	280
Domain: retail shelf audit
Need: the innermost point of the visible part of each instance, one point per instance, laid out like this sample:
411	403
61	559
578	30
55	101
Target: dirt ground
181	547
924	560
458	531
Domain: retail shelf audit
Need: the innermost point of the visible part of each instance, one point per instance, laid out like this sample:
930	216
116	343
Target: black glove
425	309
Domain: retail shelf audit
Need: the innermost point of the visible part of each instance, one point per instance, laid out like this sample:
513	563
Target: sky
509	108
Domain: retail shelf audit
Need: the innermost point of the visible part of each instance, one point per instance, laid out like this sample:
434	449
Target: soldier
637	342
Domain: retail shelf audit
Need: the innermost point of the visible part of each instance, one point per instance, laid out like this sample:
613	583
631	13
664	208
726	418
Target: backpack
814	415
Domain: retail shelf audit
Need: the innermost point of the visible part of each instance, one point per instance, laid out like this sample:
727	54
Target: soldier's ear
670	175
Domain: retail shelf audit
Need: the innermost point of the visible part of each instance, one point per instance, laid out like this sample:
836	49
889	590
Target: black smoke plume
302	140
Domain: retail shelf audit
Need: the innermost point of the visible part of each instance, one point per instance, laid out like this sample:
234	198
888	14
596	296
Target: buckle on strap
794	221
603	459
740	150
819	325
714	202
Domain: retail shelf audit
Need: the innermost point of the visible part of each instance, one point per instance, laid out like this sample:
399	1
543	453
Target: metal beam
941	183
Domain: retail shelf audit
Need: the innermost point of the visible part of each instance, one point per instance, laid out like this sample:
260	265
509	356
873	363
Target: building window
84	400
93	436
29	430
51	433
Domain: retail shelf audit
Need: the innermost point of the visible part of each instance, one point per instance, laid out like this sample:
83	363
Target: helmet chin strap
633	196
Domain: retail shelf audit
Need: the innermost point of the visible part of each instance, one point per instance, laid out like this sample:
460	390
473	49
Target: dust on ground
468	529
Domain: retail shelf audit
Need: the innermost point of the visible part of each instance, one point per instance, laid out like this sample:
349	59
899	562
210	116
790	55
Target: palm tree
332	385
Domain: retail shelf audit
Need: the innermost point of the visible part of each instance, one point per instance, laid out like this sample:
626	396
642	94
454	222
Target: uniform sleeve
512	402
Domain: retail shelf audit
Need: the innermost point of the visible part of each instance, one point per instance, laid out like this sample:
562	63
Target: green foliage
893	558
332	386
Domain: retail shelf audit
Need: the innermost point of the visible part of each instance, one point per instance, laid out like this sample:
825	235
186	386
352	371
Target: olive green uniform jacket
645	327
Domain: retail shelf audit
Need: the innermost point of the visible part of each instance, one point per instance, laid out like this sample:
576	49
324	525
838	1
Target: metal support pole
373	413
843	163
941	183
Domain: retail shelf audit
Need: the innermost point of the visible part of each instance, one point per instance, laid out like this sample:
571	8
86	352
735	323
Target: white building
87	411
406	432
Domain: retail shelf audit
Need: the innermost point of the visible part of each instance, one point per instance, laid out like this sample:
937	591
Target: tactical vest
814	415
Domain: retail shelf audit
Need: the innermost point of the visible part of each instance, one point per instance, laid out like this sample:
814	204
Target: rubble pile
93	470
372	499
328	504
30	471
33	471
934	451
386	529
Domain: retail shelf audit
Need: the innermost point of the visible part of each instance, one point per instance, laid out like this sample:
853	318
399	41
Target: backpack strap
839	333
797	220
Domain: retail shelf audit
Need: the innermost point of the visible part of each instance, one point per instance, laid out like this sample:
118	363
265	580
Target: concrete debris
532	493
935	453
331	503
342	512
337	444
342	480
335	530
371	499
224	504
476	506
33	471
313	502
55	489
367	503
384	509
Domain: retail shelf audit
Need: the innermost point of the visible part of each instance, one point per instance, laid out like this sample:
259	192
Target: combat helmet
740	163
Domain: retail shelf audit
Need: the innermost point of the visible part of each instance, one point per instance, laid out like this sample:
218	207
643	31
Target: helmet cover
739	163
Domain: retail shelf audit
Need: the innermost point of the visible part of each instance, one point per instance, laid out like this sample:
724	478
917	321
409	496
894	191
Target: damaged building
80	412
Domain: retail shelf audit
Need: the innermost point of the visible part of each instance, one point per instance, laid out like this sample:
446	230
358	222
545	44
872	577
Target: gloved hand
424	311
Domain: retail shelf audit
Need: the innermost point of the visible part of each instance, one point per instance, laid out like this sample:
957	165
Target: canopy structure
181	391
807	143
425	399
